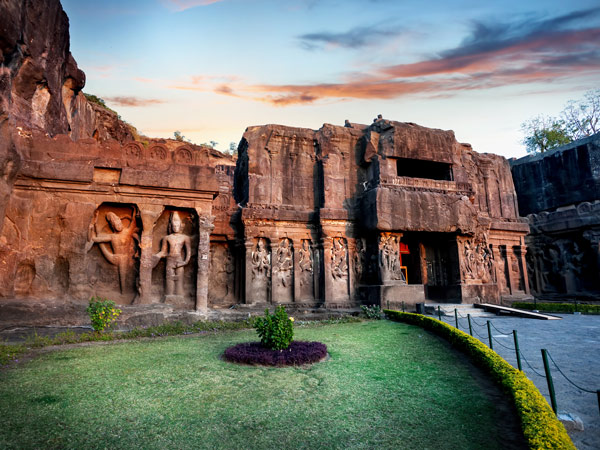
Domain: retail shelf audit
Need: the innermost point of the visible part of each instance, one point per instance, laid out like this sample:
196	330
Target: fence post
456	318
470	327
517	349
439	313
598	394
549	379
403	309
490	335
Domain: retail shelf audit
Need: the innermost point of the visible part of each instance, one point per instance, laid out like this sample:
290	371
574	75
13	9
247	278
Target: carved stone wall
559	192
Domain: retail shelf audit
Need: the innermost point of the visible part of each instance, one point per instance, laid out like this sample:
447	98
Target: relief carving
389	257
339	263
284	263
261	260
306	261
176	248
115	241
477	262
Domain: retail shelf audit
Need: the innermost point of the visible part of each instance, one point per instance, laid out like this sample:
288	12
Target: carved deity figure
176	248
120	240
261	260
389	257
339	265
305	262
285	263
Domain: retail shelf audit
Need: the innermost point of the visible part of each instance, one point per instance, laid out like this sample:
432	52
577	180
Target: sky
211	68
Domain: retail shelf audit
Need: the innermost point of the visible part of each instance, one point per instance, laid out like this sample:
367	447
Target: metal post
517	349
439	313
598	394
456	318
388	304
549	379
470	327
403	309
490	335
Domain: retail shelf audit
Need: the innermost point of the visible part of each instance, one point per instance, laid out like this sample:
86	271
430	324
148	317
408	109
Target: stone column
297	272
521	253
351	252
512	282
328	289
205	227
248	294
149	215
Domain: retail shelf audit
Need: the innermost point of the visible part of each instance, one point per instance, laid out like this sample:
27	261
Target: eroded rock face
559	192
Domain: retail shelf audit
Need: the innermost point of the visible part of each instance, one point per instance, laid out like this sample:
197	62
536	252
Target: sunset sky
210	68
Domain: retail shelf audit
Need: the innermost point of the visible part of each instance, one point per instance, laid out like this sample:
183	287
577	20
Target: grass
386	385
558	307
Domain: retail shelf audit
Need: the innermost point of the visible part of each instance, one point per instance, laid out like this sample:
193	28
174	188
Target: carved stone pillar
326	244
149	215
520	254
249	245
351	269
205	227
512	281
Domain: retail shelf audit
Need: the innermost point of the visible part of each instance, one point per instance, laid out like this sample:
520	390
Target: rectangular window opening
419	168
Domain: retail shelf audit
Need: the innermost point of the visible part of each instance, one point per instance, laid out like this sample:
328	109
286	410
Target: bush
558	307
275	331
541	428
102	313
371	312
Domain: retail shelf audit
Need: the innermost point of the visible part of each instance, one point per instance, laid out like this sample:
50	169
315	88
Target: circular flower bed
298	353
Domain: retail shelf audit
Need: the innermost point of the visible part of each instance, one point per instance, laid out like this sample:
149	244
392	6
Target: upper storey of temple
388	175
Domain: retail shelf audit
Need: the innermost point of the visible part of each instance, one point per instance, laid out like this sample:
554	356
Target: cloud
522	51
133	101
182	5
354	38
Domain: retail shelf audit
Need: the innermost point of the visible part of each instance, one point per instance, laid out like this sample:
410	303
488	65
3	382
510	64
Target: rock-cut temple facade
341	216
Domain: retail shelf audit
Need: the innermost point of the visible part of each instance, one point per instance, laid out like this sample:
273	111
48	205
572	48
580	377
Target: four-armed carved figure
120	242
176	247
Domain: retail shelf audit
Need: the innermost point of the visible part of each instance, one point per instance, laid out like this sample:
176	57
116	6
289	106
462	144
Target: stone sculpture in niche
284	264
305	263
389	258
120	241
477	262
176	247
261	260
339	264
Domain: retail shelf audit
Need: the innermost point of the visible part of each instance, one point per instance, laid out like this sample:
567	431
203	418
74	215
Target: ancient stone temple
331	218
559	192
381	214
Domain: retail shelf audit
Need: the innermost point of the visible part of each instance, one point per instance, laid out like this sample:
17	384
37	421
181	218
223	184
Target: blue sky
210	68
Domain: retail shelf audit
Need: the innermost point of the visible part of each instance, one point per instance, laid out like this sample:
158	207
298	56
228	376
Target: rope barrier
567	378
531	367
499	331
477	323
502	345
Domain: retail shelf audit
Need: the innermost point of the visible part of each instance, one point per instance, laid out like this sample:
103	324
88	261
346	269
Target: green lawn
386	385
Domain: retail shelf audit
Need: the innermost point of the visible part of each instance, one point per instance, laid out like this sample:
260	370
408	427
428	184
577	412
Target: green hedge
558	307
541	428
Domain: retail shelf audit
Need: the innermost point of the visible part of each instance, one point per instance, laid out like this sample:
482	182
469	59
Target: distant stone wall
559	192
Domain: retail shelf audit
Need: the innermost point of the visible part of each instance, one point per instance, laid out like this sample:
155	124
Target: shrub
275	331
371	312
559	307
541	428
102	313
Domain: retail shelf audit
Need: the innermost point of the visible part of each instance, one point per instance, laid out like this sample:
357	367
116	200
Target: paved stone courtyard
573	343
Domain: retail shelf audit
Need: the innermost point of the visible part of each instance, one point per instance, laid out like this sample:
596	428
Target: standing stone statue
285	263
176	248
339	265
120	241
261	260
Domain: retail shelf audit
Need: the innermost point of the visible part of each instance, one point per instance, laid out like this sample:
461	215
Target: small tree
583	117
543	133
178	136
